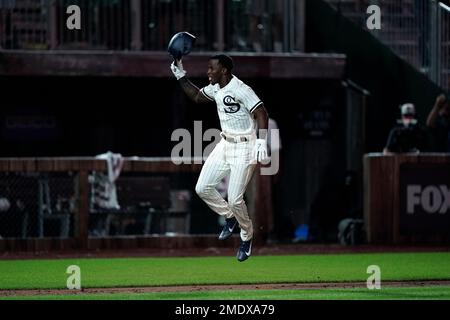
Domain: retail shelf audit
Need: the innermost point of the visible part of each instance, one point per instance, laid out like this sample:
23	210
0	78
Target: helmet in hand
181	44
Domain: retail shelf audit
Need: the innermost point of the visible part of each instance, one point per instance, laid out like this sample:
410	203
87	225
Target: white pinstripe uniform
235	104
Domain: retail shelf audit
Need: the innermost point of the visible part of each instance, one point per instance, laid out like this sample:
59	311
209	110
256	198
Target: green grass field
140	272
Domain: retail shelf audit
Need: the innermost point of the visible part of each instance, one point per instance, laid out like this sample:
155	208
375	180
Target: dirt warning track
196	288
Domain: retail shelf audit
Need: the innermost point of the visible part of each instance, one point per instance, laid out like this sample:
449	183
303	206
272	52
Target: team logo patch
232	105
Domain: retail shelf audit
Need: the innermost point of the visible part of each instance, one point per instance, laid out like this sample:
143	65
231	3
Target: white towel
105	193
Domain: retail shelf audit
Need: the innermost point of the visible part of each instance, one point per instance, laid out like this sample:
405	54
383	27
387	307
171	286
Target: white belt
235	139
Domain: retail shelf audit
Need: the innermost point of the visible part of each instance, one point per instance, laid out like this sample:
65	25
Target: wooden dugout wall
382	198
259	196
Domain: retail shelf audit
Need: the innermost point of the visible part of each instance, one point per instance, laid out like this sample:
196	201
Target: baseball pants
236	160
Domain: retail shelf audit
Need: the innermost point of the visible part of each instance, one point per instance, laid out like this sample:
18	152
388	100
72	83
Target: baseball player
241	113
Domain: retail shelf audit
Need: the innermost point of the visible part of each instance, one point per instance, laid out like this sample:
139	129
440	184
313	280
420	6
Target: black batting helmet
181	44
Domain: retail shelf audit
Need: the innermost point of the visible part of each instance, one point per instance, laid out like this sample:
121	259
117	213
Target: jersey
235	104
407	139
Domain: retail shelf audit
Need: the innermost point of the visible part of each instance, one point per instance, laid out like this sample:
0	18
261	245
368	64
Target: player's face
215	71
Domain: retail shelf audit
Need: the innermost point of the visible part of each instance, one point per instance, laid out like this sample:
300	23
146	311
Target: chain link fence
444	50
106	25
37	205
161	19
24	24
46	204
416	30
234	25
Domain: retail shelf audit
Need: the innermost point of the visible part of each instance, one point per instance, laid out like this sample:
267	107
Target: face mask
408	122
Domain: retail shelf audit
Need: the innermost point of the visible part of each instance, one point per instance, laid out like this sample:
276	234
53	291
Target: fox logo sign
430	199
424	196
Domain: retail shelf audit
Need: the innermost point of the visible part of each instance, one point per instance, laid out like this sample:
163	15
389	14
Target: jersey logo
232	105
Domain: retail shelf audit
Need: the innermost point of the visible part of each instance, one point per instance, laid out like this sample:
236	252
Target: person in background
407	136
438	122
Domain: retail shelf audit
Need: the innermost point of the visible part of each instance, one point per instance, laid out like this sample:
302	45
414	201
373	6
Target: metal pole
438	44
82	215
349	126
445	38
300	26
136	23
433	40
220	14
40	208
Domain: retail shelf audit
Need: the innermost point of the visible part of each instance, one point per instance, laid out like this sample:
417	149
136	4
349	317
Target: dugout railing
135	25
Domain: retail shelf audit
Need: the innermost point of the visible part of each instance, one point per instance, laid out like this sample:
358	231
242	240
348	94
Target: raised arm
190	89
434	113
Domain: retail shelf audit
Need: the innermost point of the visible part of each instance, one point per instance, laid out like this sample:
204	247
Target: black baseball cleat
245	250
228	228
